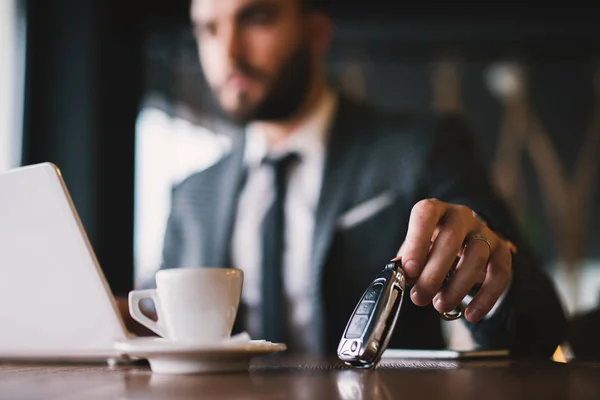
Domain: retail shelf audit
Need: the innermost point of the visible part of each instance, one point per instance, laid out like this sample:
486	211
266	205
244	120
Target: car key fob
373	320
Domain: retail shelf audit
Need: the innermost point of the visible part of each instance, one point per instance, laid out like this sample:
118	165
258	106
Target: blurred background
112	92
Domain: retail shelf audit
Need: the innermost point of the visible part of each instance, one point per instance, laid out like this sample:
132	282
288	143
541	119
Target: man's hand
437	233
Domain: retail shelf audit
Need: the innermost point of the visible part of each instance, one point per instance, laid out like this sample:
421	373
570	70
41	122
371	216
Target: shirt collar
308	139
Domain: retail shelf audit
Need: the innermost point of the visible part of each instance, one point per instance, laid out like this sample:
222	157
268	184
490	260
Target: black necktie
273	230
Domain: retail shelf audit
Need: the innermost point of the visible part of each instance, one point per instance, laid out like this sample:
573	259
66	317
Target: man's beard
285	94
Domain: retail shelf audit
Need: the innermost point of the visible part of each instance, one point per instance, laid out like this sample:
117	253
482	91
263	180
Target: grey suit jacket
376	168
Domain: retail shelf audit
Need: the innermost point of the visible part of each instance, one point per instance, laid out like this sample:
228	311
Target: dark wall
83	86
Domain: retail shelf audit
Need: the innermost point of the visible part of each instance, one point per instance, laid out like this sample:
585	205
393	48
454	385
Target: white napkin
240	337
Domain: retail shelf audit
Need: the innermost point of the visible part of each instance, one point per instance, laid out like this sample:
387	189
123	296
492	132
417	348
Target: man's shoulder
203	180
382	121
402	142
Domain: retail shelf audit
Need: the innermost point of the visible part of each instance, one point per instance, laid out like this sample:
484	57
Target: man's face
255	54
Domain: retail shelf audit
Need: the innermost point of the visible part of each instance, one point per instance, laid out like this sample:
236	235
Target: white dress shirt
303	188
256	197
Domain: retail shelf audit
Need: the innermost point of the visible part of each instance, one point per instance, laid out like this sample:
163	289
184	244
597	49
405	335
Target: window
168	149
12	66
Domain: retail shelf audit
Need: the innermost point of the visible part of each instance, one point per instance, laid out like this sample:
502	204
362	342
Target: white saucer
169	357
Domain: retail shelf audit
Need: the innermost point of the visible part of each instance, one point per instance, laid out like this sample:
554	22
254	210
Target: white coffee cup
192	304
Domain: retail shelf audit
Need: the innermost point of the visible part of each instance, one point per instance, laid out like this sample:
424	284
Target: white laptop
55	303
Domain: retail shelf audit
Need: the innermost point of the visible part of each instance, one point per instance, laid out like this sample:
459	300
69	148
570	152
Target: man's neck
277	132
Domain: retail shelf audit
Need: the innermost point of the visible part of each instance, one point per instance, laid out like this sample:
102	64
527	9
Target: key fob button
365	307
373	292
357	326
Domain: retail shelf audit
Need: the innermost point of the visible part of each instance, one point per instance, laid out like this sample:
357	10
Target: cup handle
136	313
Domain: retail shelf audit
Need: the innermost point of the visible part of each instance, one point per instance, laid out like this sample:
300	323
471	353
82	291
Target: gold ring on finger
483	239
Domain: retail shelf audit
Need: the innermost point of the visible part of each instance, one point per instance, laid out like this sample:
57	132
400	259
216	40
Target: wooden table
289	378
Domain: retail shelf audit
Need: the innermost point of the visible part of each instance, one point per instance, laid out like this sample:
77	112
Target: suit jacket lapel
341	164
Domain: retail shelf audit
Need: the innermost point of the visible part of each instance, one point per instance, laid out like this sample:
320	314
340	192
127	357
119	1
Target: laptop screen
54	299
